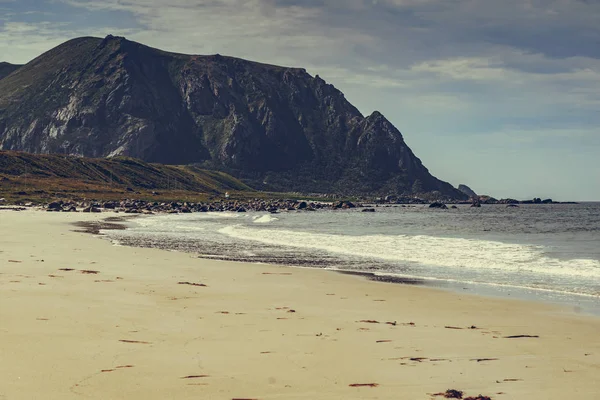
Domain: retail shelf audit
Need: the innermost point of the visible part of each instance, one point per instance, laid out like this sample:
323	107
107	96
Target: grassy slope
38	178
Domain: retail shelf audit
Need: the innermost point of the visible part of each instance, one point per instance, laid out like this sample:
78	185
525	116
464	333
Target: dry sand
131	331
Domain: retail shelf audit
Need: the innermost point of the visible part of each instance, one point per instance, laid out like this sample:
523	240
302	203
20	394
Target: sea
542	252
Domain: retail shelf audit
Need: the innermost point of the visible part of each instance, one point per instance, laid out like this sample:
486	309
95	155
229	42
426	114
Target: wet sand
80	318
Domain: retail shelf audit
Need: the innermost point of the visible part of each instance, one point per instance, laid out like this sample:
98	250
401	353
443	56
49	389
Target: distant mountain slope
7	69
119	172
277	128
467	190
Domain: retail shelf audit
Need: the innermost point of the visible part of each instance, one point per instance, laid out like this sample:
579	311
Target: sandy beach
81	318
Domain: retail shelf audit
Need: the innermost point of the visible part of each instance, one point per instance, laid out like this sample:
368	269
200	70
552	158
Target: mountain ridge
7	68
277	128
50	176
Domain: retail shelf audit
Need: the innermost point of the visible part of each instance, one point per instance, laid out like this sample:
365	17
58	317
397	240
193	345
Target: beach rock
109	205
508	201
91	209
302	205
368	210
485	199
55	206
344	204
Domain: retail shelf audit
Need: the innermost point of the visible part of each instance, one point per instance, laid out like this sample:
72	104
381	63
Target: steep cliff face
7	69
277	128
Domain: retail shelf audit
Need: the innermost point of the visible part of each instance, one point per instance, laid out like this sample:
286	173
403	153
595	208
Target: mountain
7	69
467	190
276	128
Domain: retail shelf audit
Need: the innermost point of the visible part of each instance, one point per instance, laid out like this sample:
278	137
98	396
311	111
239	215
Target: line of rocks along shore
148	207
273	206
474	201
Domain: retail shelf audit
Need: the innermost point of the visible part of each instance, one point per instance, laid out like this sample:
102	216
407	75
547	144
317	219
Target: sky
501	95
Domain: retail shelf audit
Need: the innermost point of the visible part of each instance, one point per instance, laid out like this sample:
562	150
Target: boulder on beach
344	204
109	205
55	206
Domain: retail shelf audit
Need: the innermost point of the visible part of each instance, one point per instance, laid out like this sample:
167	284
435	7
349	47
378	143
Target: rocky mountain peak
278	128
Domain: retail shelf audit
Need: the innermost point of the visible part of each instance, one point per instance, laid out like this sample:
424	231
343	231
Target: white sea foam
453	253
264	219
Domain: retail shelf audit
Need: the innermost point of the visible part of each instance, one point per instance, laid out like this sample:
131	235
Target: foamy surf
265	219
427	251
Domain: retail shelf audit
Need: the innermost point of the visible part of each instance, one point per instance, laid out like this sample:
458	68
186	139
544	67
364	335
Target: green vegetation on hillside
37	178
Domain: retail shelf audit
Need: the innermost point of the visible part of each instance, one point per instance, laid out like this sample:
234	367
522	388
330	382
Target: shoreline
82	317
579	303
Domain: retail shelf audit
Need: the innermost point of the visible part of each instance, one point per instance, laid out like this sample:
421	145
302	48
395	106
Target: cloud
24	41
481	72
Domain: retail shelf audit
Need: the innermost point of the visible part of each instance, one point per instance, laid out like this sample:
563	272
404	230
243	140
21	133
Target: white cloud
472	69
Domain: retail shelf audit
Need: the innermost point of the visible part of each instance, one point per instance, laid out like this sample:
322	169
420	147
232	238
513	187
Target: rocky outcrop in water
277	128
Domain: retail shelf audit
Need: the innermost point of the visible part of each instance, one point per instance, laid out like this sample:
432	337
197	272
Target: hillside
276	128
37	177
7	69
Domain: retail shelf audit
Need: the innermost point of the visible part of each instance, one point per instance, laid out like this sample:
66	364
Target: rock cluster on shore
131	206
148	207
